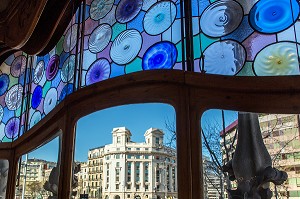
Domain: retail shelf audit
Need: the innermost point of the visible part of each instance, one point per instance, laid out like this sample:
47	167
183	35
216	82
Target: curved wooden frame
189	93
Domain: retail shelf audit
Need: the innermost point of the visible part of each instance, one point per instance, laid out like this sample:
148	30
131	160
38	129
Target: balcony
94	164
94	172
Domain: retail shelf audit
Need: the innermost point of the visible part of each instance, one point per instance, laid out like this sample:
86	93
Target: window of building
107	173
118	156
128	186
157	175
128	171
137	171
297	155
117	187
295	194
146	172
118	139
117	175
157	140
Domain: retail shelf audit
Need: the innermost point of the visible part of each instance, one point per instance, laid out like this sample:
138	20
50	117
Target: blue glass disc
12	128
50	100
35	118
1	113
127	10
4	82
68	89
269	16
161	55
221	18
224	58
159	17
99	70
37	97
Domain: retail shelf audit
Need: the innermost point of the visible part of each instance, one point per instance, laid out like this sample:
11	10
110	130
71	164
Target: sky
94	130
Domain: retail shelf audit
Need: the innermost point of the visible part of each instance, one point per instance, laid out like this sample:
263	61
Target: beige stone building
37	172
126	169
211	180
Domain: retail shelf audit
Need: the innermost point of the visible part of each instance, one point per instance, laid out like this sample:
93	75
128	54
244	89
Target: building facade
212	180
37	172
126	169
280	133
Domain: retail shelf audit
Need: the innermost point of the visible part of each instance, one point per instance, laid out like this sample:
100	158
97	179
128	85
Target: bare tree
211	147
273	133
220	149
171	136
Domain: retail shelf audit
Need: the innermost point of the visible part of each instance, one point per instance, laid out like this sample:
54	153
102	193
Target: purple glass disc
52	67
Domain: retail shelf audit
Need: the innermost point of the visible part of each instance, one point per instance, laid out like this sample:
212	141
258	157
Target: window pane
126	157
38	173
262	134
4	166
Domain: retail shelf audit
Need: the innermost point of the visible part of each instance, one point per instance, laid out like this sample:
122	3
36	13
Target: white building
37	172
212	179
125	169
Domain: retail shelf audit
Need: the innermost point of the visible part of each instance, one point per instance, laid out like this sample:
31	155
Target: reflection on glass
38	173
119	163
4	166
279	135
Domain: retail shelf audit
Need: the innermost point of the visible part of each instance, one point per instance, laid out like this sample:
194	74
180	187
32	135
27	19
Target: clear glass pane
127	152
38	172
249	147
4	166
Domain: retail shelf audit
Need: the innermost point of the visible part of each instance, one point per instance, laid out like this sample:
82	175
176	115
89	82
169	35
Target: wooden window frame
191	94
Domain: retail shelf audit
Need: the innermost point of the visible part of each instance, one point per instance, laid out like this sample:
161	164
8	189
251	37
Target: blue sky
95	129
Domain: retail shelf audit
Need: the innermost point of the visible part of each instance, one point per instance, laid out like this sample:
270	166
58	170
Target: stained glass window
110	38
12	101
53	74
246	37
126	36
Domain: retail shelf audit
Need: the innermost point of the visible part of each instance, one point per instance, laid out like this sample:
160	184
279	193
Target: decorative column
170	178
132	175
